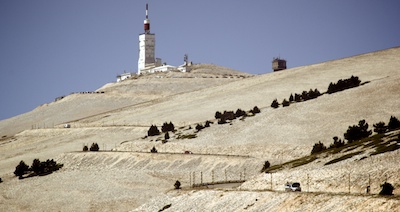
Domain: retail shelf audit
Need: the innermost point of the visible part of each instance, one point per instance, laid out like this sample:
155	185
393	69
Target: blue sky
52	48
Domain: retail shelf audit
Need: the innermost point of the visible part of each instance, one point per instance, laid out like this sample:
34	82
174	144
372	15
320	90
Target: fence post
271	181
226	179
190	179
308	183
201	178
212	176
194	178
244	174
349	182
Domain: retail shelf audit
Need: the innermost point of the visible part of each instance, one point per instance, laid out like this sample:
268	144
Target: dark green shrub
285	103
336	143
275	104
208	123
265	166
305	96
166	136
387	189
177	185
394	123
94	147
291	98
37	167
199	127
239	113
255	110
153	150
297	97
85	148
318	147
218	115
355	132
21	169
167	127
380	127
1	180
343	84
153	131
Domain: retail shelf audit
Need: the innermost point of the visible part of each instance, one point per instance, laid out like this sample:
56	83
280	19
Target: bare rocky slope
130	177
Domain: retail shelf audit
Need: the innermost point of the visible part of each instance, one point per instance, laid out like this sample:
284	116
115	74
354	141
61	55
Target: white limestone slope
119	118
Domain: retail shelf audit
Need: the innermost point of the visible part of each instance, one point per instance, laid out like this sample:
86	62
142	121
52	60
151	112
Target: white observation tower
147	43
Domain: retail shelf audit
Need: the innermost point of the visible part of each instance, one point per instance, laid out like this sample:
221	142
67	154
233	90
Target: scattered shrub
21	169
1	180
218	115
153	131
275	104
199	127
291	98
240	113
208	123
153	150
167	127
355	132
394	123
265	166
380	127
297	97
343	84
177	185
38	168
166	136
318	147
255	110
85	148
285	103
387	189
94	147
336	143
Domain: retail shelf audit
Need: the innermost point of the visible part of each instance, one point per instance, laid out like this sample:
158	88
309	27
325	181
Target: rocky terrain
125	176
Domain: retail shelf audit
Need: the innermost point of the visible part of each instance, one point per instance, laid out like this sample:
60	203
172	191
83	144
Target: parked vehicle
292	186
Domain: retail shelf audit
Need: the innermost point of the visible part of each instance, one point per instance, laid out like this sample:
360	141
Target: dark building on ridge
278	64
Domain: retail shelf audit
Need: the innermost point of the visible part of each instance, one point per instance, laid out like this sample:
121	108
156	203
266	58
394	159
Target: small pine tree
153	150
285	103
37	167
153	130
94	147
218	115
265	166
394	123
275	104
199	127
1	180
21	169
177	185
291	98
318	147
256	110
166	136
380	127
355	132
387	189
85	148
297	97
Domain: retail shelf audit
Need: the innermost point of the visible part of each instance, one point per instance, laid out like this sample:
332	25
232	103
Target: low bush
21	169
167	127
387	189
275	104
94	147
343	84
357	132
380	127
177	185
318	147
153	150
265	166
85	148
394	123
153	131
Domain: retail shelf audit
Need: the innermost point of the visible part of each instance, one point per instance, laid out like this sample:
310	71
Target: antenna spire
147	21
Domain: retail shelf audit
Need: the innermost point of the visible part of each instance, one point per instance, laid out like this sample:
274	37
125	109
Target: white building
147	45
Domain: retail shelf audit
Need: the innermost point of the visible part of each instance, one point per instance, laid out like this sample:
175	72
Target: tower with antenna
147	43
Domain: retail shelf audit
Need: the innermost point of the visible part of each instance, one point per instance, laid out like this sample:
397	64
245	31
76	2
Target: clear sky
52	48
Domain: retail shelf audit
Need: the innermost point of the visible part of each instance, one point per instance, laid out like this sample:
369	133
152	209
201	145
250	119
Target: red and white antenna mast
147	21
